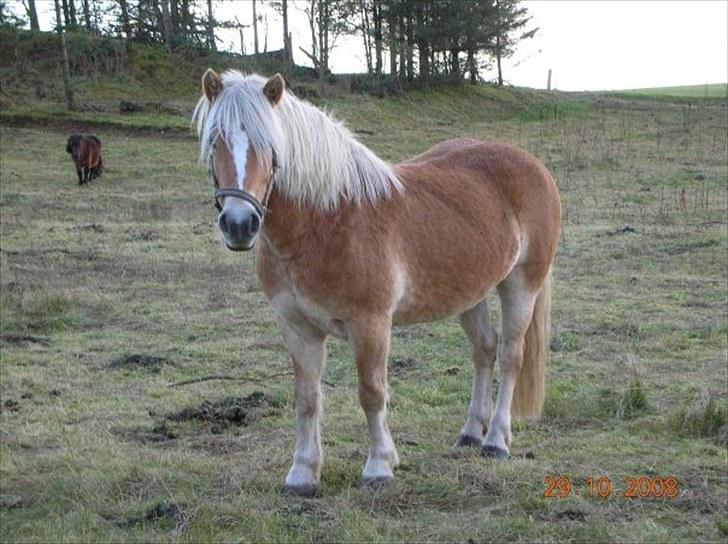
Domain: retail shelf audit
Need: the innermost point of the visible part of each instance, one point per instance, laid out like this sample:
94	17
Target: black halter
259	207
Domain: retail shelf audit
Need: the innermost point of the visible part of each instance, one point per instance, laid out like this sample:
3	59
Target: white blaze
239	143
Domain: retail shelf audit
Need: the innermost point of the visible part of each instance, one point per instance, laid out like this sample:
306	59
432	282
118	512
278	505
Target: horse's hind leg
517	303
371	346
483	338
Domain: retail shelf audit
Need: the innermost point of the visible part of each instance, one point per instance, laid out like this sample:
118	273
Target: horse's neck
289	228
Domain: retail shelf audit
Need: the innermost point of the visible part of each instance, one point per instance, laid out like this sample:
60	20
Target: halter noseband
243	195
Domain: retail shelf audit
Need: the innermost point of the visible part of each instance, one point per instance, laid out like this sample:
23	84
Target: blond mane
320	163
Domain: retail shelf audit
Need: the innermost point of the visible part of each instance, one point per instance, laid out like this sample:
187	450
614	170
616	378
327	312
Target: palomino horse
350	246
86	154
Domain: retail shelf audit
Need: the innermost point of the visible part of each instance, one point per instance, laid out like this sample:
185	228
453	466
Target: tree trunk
423	46
322	26
472	67
366	32
402	48
498	42
167	25
70	102
325	50
377	19
72	12
87	15
392	25
410	48
498	58
66	15
141	31
287	51
174	16
185	26
125	25
210	27
455	64
255	27
33	15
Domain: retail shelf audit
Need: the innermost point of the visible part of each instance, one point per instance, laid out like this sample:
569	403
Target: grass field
708	90
114	293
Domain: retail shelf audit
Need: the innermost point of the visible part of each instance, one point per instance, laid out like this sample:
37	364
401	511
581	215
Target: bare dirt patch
402	365
24	339
238	411
152	363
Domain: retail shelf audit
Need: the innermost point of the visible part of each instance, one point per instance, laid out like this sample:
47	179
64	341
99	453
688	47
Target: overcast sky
589	45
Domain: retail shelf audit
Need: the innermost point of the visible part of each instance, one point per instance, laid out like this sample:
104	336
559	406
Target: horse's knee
372	395
511	355
484	353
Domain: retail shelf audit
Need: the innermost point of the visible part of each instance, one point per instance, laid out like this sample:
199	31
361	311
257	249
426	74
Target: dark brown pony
350	246
86	154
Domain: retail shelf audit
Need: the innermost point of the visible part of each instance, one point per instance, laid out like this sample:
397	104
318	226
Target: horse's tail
530	391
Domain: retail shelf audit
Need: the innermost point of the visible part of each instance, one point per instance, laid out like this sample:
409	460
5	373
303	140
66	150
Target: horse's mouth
241	247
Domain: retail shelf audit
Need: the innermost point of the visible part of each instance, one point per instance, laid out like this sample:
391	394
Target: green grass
708	90
131	265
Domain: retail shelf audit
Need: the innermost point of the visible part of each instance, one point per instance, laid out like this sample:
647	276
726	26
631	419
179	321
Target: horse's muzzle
239	225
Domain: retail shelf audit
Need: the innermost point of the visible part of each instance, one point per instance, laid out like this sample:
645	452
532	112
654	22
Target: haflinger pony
86	154
350	246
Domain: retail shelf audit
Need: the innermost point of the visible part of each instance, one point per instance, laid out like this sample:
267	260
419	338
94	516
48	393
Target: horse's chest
295	309
298	300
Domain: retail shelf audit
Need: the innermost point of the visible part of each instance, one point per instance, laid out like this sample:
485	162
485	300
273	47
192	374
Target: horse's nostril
254	224
224	224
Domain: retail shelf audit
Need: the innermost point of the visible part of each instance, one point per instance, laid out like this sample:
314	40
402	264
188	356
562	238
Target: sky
588	44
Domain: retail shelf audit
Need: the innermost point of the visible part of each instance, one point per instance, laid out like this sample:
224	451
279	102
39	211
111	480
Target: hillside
106	71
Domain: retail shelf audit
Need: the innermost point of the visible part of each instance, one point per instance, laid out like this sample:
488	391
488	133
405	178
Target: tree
72	12
70	101
510	20
210	27
255	28
32	14
167	25
86	15
327	20
125	21
281	6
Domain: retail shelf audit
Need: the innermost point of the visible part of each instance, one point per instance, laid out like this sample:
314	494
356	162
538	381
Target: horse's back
498	171
470	211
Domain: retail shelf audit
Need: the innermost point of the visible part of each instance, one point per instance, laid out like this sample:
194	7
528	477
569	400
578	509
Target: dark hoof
494	452
376	483
300	490
467	441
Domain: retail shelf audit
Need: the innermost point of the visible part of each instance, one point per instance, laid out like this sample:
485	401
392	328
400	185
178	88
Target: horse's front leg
306	345
371	344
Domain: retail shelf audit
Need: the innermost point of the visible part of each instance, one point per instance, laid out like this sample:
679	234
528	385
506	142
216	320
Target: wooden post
548	83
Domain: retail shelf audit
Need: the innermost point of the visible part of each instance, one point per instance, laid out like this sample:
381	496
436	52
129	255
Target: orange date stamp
635	487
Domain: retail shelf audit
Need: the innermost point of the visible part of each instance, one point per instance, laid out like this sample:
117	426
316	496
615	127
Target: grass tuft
707	417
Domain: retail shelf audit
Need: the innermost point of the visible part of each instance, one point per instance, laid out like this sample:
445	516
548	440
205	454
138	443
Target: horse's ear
273	89
211	84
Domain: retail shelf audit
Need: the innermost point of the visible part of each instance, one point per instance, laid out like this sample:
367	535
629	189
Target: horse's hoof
300	490
467	441
377	483
494	452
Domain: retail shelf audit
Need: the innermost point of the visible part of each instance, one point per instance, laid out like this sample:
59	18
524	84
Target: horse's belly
446	284
434	305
